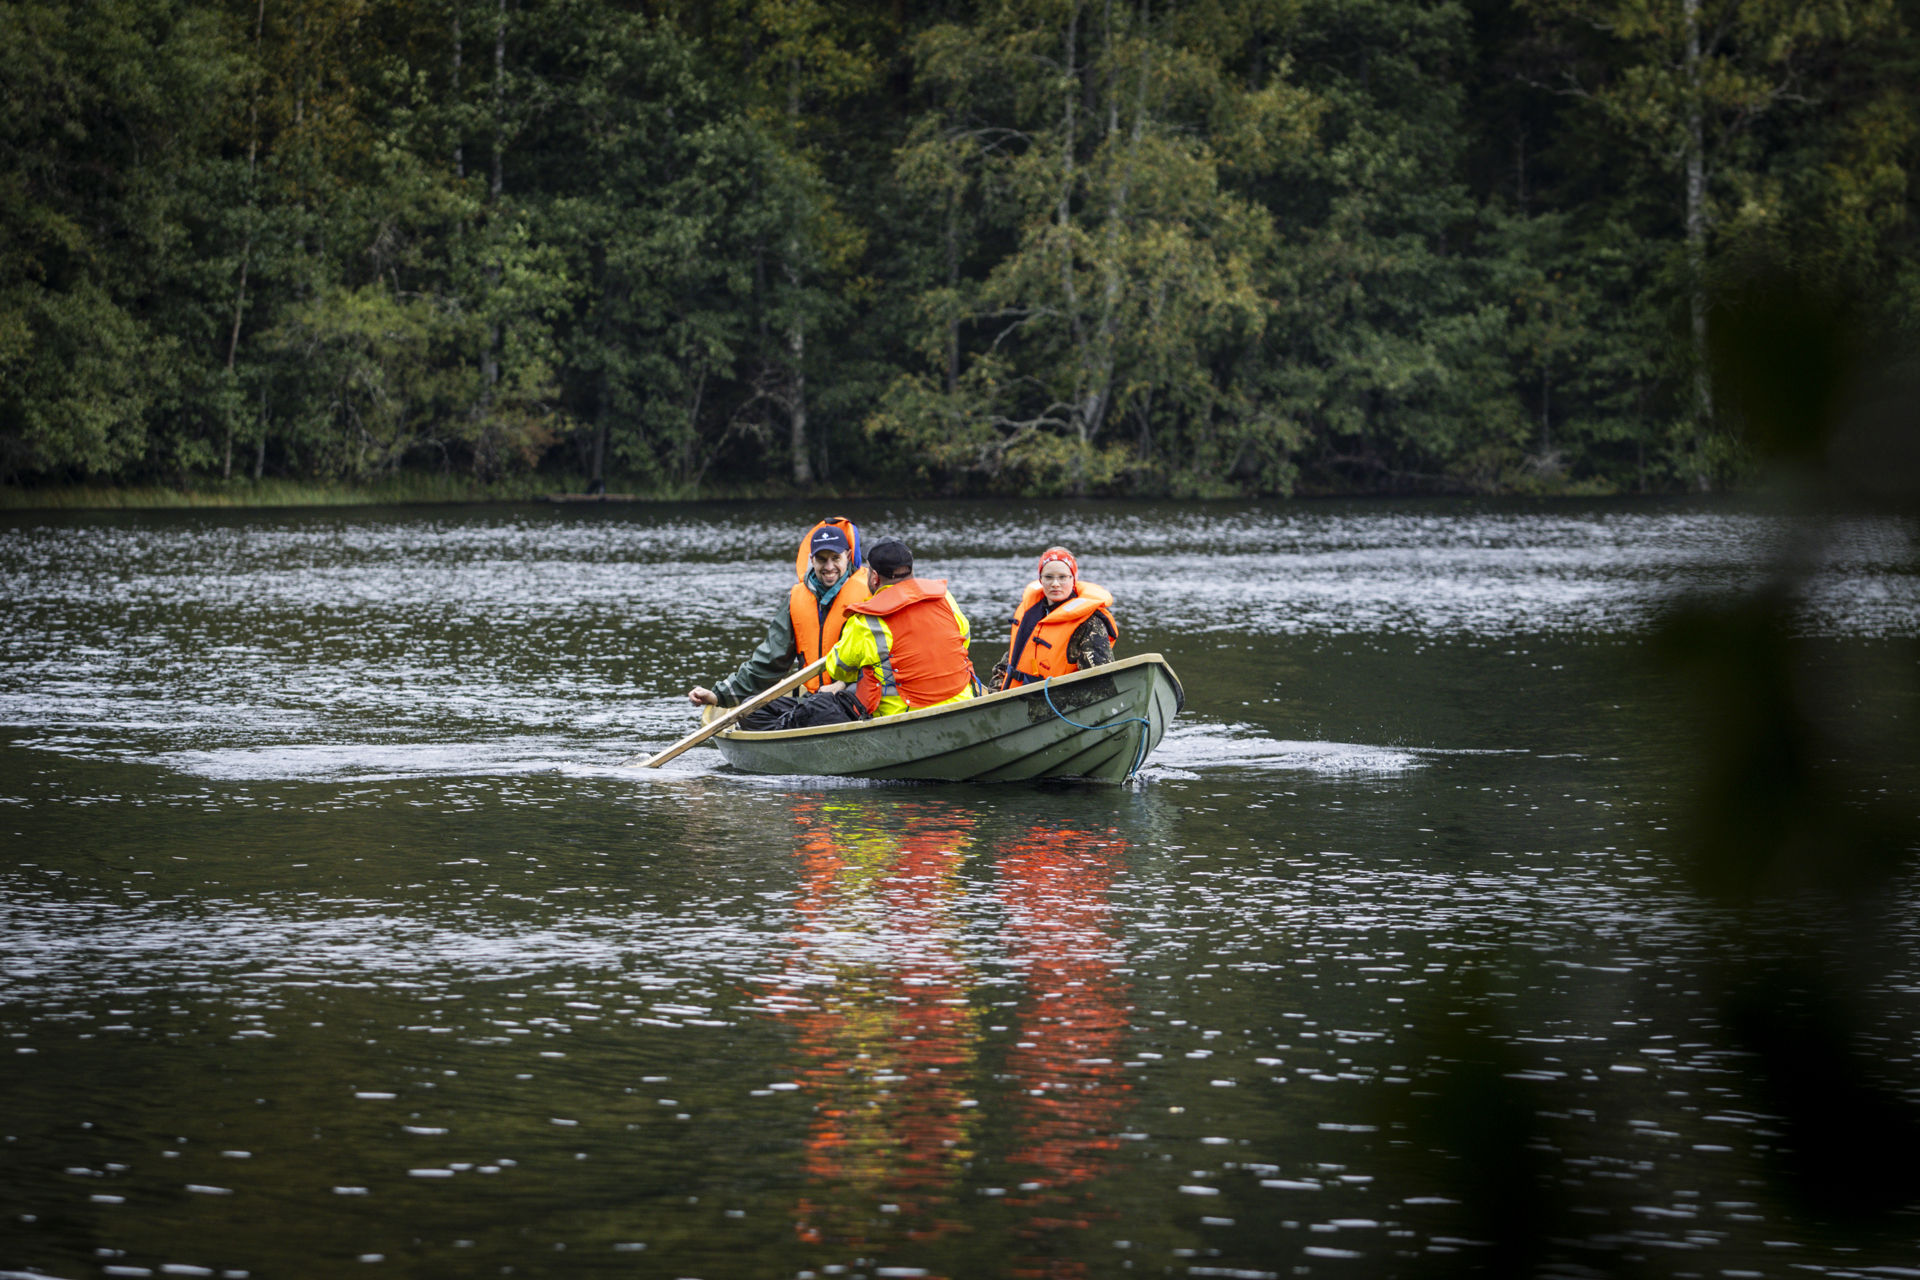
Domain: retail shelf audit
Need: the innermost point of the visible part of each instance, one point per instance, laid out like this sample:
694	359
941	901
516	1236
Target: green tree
1090	146
1387	345
796	61
1579	339
1692	87
415	323
110	113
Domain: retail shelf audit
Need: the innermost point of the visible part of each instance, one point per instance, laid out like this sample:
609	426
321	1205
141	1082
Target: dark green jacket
777	654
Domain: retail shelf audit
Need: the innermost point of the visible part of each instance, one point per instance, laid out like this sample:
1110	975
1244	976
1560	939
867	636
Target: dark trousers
804	713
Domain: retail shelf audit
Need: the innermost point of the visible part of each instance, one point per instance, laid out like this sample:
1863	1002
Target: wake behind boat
1099	723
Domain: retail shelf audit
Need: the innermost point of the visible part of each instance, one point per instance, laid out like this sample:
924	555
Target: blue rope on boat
1146	727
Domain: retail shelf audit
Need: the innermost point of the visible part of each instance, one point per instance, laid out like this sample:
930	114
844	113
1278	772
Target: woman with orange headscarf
1061	625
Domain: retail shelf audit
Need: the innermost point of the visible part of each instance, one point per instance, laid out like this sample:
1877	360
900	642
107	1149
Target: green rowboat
1099	724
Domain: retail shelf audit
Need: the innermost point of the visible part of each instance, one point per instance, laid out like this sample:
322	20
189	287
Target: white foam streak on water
370	762
1196	747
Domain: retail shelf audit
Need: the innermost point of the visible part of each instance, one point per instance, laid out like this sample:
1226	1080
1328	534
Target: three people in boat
895	642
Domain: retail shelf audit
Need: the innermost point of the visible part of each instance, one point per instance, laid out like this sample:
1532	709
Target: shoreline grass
434	489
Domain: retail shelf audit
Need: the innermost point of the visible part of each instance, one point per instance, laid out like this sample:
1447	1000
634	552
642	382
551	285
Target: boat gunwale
965	704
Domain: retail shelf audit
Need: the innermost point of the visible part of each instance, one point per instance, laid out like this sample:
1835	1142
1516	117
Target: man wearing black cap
907	645
816	612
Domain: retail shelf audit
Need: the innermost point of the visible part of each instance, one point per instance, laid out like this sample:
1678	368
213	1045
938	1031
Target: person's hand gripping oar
727	721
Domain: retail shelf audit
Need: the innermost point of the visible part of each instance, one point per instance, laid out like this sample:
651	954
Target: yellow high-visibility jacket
906	650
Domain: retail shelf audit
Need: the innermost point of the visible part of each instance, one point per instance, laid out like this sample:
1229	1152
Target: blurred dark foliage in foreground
1791	804
1795	830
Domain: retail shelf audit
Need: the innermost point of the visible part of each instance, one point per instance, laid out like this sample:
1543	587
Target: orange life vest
813	632
926	660
1038	649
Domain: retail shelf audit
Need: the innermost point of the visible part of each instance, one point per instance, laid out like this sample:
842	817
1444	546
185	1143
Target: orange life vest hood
802	559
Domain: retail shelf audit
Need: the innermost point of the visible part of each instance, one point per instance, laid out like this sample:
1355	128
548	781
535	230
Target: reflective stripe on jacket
908	646
1038	649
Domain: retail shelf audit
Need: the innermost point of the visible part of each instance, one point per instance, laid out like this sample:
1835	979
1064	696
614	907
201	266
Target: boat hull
1099	724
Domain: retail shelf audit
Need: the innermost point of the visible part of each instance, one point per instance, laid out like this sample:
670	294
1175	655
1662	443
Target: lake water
337	939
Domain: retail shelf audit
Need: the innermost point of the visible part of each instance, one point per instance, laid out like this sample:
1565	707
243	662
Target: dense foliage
1179	246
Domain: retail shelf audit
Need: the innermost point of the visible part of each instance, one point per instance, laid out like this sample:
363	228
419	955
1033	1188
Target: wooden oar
718	723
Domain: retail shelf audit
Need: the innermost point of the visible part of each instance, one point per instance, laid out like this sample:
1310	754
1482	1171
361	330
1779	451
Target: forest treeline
1189	247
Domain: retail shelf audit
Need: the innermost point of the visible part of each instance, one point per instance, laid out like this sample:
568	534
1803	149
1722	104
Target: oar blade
733	715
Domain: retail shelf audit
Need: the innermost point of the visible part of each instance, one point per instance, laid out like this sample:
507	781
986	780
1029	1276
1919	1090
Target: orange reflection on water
1071	1026
878	994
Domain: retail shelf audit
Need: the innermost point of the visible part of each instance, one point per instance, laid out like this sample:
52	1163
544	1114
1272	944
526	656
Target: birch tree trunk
459	143
490	358
797	393
953	286
246	243
797	328
1107	339
1063	214
1696	232
499	95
